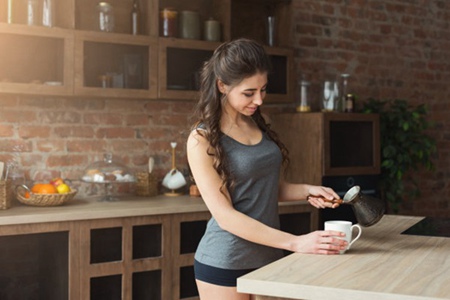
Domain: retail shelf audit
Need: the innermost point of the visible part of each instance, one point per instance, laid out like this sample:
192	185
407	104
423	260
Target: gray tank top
256	170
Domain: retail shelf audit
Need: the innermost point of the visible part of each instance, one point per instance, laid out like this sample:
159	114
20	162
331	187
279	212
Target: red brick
29	132
6	130
68	160
115	133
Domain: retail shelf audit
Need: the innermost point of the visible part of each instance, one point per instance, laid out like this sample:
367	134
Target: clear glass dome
107	171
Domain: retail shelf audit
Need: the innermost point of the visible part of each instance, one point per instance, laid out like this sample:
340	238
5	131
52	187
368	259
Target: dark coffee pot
368	210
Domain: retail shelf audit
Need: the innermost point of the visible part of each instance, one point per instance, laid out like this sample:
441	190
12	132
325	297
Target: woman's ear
221	86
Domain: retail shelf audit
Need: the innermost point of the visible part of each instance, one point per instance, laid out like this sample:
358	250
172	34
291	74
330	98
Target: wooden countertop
92	208
382	264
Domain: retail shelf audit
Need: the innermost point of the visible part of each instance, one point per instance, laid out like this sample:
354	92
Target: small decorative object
174	179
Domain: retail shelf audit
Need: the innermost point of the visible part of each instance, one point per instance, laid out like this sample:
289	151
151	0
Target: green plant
405	146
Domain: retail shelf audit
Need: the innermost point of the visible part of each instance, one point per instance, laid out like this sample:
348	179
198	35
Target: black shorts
218	276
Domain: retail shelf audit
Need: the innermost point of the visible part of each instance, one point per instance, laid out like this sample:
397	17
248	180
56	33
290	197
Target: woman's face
245	97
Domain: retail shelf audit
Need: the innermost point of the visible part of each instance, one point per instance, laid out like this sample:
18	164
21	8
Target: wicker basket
43	199
5	194
146	184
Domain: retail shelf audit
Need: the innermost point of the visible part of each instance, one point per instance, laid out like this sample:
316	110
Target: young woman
236	161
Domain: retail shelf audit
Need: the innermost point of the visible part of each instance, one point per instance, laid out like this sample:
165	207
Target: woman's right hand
320	242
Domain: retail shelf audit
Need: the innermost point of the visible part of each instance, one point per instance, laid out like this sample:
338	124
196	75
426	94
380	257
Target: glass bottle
135	18
9	19
303	105
106	17
47	13
32	12
344	91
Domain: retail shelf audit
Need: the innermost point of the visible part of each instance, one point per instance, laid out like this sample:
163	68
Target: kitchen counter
127	206
91	208
382	264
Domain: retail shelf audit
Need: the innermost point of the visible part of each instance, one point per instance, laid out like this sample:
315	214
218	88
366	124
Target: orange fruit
44	188
27	195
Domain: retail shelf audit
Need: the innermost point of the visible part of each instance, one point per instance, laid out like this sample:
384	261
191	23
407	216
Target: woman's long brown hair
231	62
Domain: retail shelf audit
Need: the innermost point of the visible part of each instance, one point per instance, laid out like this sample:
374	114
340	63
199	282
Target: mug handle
357	237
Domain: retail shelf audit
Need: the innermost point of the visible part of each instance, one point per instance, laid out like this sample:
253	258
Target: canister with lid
211	30
190	25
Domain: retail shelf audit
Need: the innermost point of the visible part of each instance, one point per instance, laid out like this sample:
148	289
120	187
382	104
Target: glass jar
303	103
168	25
106	17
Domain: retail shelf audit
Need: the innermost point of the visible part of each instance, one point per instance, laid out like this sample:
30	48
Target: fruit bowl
35	199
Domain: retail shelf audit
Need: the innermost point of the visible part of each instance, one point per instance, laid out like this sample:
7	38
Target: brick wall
53	136
392	49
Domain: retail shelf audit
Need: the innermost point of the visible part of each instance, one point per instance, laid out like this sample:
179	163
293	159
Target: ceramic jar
211	31
190	25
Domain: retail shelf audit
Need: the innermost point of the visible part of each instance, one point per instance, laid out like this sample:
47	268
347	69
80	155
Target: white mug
345	227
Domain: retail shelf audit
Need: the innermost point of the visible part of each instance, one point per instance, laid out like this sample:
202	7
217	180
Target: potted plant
405	146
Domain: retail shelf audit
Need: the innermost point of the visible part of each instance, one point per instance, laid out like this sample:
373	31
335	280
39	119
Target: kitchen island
382	265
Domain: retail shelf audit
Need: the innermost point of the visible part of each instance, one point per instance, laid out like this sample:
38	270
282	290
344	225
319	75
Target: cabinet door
281	78
115	65
180	62
125	258
35	262
187	230
257	11
36	60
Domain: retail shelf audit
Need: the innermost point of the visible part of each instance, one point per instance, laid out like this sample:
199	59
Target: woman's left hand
322	197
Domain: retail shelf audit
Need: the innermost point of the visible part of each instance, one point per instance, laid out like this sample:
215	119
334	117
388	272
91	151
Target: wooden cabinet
115	65
137	249
329	144
75	58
